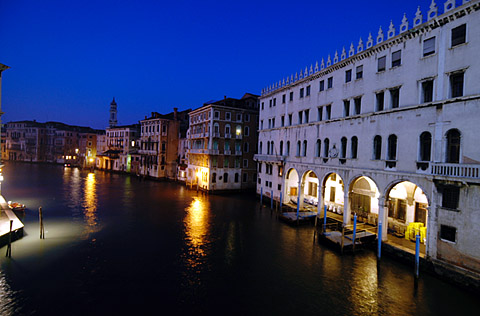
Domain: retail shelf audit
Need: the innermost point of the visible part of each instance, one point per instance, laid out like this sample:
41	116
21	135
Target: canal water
117	245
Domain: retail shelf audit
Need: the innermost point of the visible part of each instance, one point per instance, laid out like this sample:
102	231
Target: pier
7	215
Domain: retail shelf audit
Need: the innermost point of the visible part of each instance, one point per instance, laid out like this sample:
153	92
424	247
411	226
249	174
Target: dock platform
303	217
6	215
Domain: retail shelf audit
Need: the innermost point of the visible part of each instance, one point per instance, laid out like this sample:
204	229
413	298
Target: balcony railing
216	134
197	151
456	170
238	136
238	152
227	152
228	135
269	158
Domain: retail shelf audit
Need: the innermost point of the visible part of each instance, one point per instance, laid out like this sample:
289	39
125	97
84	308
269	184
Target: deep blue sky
69	58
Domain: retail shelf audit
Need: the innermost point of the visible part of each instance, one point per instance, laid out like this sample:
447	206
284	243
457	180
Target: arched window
268	148
343	149
227	130
272	149
453	146
377	147
216	128
299	144
281	148
425	146
288	148
354	147
236	177
261	145
304	152
392	147
318	147
225	177
326	144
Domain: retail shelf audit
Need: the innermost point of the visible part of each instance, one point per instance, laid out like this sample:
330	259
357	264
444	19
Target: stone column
301	186
383	216
347	218
321	200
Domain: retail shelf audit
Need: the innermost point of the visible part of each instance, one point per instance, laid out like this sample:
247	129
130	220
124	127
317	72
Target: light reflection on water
90	205
197	226
6	297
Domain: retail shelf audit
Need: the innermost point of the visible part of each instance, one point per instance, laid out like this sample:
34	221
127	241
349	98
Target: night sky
69	59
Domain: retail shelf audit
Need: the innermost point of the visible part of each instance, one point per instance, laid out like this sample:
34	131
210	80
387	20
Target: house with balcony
386	130
222	141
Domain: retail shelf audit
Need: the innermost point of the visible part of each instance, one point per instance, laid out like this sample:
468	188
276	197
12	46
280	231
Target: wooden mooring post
9	247
42	229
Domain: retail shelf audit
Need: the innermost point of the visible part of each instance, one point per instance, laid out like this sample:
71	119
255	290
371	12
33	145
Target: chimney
175	112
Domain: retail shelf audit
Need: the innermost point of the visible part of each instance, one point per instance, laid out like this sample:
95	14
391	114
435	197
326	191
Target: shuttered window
429	46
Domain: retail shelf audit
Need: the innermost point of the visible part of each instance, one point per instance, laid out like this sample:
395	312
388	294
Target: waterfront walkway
6	215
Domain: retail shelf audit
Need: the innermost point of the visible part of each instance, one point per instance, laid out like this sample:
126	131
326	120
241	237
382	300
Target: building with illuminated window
121	145
222	142
386	130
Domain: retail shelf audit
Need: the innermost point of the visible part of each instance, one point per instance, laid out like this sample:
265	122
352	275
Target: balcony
238	136
227	152
269	158
197	151
456	170
216	134
228	135
238	152
212	151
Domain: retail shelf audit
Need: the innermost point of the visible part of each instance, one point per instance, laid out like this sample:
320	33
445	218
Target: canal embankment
9	223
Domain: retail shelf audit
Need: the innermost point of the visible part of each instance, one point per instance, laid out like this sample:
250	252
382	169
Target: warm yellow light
76	150
133	143
239	130
91	159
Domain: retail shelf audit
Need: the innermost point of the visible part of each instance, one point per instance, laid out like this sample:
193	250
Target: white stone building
387	130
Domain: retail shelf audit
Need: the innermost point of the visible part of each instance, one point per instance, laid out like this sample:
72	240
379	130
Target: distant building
113	114
159	144
222	142
48	142
2	155
121	144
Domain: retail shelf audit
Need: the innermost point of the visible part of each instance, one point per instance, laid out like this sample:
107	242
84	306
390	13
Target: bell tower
112	122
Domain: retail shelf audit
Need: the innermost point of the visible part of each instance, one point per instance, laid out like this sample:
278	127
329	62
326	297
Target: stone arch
291	185
363	198
333	191
406	207
309	186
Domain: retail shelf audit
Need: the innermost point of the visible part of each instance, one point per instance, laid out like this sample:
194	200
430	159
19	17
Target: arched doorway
291	186
310	190
363	200
407	207
333	194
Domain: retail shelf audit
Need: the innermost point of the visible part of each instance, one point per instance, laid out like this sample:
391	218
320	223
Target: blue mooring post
324	219
379	252
354	229
281	201
417	255
298	206
271	200
261	196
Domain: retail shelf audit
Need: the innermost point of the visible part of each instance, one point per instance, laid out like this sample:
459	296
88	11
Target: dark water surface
119	246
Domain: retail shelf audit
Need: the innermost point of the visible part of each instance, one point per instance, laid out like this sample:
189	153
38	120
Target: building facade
222	142
121	144
387	131
159	144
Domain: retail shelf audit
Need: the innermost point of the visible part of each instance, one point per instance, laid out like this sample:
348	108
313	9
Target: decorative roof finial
391	30
418	17
380	35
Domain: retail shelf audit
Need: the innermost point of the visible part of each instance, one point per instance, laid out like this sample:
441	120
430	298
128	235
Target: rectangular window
395	98
291	96
245	163
330	83
359	72
247	117
380	97
427	91
459	35
348	75
450	197
290	119
396	58
239	117
270	103
301	93
284	98
448	233
307	114
300	117
358	105
322	85
282	120
456	85
328	112
320	114
274	101
429	46
308	91
273	122
263	104
346	108
382	63
228	116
